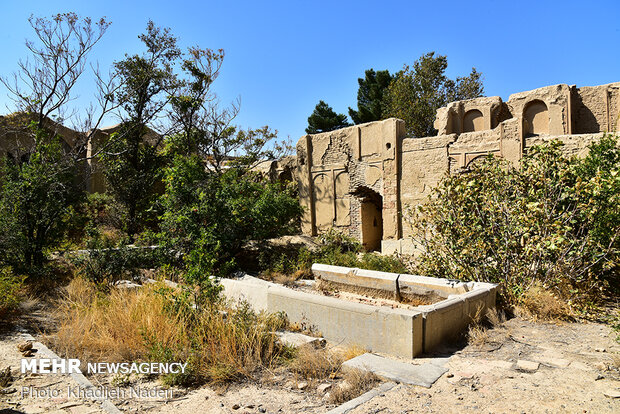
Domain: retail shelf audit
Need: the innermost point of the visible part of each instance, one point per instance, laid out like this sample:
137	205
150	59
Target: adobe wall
340	170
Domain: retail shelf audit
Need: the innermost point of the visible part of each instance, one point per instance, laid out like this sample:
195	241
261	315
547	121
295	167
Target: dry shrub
352	351
541	304
478	330
96	326
156	323
356	382
311	363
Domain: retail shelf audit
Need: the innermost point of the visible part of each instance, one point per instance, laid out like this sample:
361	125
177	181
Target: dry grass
356	382
352	351
539	303
310	363
478	331
156	323
95	326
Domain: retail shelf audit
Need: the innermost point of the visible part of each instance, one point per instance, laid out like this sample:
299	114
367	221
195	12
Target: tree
370	103
38	182
324	119
416	93
132	163
213	202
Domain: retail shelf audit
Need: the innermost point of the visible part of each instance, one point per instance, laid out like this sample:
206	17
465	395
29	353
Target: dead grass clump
311	363
156	323
352	351
478	331
111	327
356	382
541	304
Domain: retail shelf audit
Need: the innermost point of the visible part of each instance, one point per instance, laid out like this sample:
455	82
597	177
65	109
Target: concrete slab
296	339
423	375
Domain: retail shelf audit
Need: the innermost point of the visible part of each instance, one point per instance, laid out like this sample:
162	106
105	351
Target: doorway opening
371	205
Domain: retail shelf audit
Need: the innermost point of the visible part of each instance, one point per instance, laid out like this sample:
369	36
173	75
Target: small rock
612	393
261	410
323	388
302	385
28	353
600	349
450	375
528	366
24	346
599	377
236	406
250	406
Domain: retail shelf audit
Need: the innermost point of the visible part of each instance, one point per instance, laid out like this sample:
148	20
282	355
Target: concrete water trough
403	331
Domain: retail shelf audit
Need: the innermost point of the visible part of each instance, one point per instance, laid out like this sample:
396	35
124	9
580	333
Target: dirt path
578	364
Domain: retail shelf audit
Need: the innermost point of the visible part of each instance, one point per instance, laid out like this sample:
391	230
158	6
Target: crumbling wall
341	170
338	170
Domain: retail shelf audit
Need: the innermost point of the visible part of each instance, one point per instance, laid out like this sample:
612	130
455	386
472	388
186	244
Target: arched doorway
371	217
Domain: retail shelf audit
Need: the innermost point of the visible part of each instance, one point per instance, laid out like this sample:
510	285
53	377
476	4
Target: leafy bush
337	249
10	286
208	216
105	261
36	193
554	222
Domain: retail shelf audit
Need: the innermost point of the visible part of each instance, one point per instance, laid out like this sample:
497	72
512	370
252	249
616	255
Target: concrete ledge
399	332
371	327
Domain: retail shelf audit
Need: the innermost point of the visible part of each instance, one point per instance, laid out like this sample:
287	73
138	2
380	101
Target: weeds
10	288
356	382
478	330
219	342
311	363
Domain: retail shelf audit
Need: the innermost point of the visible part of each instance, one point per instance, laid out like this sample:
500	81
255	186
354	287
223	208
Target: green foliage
553	222
415	93
370	102
132	163
324	119
209	216
132	168
36	194
10	286
106	261
336	249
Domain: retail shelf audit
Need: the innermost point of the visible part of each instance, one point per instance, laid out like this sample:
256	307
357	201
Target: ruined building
360	179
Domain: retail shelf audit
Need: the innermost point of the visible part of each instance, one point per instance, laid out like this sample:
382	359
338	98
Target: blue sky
283	57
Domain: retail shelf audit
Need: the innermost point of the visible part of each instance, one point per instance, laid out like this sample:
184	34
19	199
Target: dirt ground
520	366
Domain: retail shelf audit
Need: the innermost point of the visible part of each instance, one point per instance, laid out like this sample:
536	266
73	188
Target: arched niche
473	120
535	119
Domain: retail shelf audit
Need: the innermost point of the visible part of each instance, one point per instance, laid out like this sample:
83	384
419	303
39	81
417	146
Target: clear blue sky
283	57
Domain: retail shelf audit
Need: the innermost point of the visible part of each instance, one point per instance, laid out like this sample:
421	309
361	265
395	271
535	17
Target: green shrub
553	222
106	261
10	287
337	249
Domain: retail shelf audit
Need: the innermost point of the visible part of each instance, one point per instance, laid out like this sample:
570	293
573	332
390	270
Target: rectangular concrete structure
399	332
